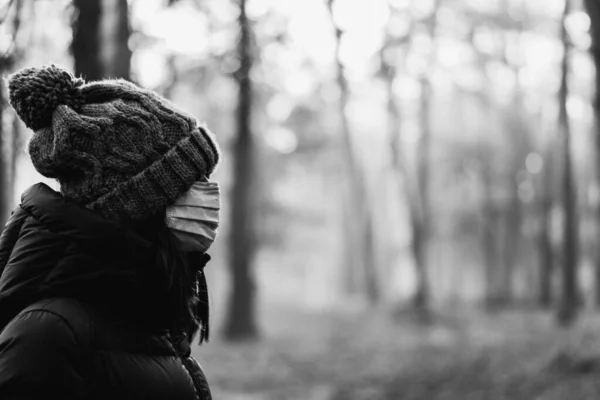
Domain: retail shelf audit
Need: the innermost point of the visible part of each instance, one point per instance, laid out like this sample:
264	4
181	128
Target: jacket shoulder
10	234
72	312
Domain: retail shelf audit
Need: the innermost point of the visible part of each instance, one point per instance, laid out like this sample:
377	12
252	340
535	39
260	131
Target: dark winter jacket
79	314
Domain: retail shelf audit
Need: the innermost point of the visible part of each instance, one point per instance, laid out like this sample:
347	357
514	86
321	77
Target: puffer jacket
80	313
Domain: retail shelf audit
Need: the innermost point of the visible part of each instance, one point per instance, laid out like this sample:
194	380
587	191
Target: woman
101	285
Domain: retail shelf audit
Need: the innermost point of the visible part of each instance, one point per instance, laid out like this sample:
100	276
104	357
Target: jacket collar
90	230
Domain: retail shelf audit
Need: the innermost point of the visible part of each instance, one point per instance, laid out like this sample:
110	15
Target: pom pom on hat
35	93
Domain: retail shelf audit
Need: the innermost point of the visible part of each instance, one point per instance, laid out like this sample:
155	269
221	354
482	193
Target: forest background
411	187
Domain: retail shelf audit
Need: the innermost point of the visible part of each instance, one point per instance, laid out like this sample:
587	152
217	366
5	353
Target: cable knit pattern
121	150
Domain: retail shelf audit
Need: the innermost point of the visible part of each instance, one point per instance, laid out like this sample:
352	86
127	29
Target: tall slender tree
360	247
4	163
405	181
546	185
593	10
16	145
422	228
241	315
519	148
545	203
488	207
416	187
567	311
488	224
115	32
8	140
86	46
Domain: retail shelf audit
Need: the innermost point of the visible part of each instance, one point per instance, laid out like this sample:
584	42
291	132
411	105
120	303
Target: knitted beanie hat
114	147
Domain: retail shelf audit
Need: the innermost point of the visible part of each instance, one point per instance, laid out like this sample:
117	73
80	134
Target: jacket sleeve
9	235
198	377
39	358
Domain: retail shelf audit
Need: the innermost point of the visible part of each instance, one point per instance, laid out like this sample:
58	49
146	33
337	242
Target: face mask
194	217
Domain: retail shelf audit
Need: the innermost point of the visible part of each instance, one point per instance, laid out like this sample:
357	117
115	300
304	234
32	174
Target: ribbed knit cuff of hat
161	183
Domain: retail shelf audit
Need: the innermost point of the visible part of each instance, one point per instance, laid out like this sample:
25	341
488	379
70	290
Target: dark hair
178	278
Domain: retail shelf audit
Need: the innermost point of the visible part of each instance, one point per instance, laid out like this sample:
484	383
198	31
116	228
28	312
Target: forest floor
339	356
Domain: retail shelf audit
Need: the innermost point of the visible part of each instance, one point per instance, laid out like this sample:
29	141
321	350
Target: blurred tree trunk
407	184
519	138
512	236
489	223
16	149
410	190
362	248
593	9
520	146
488	208
490	212
5	192
567	311
8	140
116	55
101	33
546	251
421	223
86	45
415	189
370	265
351	265
240	321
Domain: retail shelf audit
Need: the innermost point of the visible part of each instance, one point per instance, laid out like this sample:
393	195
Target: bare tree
407	183
488	208
16	144
359	249
241	316
101	31
414	187
421	223
567	311
116	55
87	44
8	140
4	164
488	226
519	143
545	202
593	9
